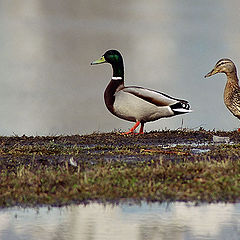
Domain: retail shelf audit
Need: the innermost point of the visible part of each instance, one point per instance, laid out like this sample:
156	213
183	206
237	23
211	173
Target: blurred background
49	88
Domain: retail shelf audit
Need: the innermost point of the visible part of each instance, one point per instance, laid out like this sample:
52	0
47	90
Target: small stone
217	139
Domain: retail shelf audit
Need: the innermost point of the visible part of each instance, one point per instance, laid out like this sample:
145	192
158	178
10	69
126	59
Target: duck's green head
224	65
113	57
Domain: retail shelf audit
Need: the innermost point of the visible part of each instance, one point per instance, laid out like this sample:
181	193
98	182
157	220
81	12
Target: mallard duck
136	104
232	90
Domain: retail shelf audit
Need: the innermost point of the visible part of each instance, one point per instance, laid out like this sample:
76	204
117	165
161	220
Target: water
173	221
49	87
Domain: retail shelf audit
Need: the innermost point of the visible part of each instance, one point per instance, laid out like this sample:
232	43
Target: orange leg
133	128
141	128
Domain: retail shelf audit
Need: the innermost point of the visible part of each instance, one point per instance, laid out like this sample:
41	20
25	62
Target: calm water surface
173	221
49	87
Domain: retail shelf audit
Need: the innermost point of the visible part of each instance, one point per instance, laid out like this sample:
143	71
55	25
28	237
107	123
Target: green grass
209	181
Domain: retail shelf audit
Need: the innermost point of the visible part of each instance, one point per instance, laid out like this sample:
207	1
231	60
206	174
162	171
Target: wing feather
152	96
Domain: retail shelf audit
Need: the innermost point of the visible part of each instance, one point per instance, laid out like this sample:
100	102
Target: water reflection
48	86
96	221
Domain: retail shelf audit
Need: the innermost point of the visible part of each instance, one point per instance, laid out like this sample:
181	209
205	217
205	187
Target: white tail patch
182	110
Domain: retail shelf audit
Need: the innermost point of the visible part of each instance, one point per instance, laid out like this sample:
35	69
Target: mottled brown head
224	65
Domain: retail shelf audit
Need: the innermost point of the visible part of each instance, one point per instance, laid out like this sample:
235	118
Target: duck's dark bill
99	61
210	73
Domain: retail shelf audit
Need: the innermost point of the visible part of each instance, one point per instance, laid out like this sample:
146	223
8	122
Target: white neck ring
116	78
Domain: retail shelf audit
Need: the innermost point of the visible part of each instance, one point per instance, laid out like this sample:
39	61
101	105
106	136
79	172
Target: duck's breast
232	98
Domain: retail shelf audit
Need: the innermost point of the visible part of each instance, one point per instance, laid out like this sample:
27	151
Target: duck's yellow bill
99	61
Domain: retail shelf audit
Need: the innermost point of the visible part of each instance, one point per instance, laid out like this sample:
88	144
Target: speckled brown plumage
232	89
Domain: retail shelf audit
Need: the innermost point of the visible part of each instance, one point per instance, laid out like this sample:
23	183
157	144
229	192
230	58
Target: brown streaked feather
232	101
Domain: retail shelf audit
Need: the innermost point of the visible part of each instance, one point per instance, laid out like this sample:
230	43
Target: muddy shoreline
54	150
54	168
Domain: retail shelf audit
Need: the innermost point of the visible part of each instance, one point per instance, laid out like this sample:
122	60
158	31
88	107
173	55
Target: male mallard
232	90
136	104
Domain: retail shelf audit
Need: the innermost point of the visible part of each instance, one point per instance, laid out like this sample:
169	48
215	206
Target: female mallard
136	104
232	90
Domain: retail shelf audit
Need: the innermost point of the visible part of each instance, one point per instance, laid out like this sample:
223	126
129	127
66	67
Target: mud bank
157	166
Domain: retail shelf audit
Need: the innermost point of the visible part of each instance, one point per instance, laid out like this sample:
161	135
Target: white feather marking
182	110
116	78
73	162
